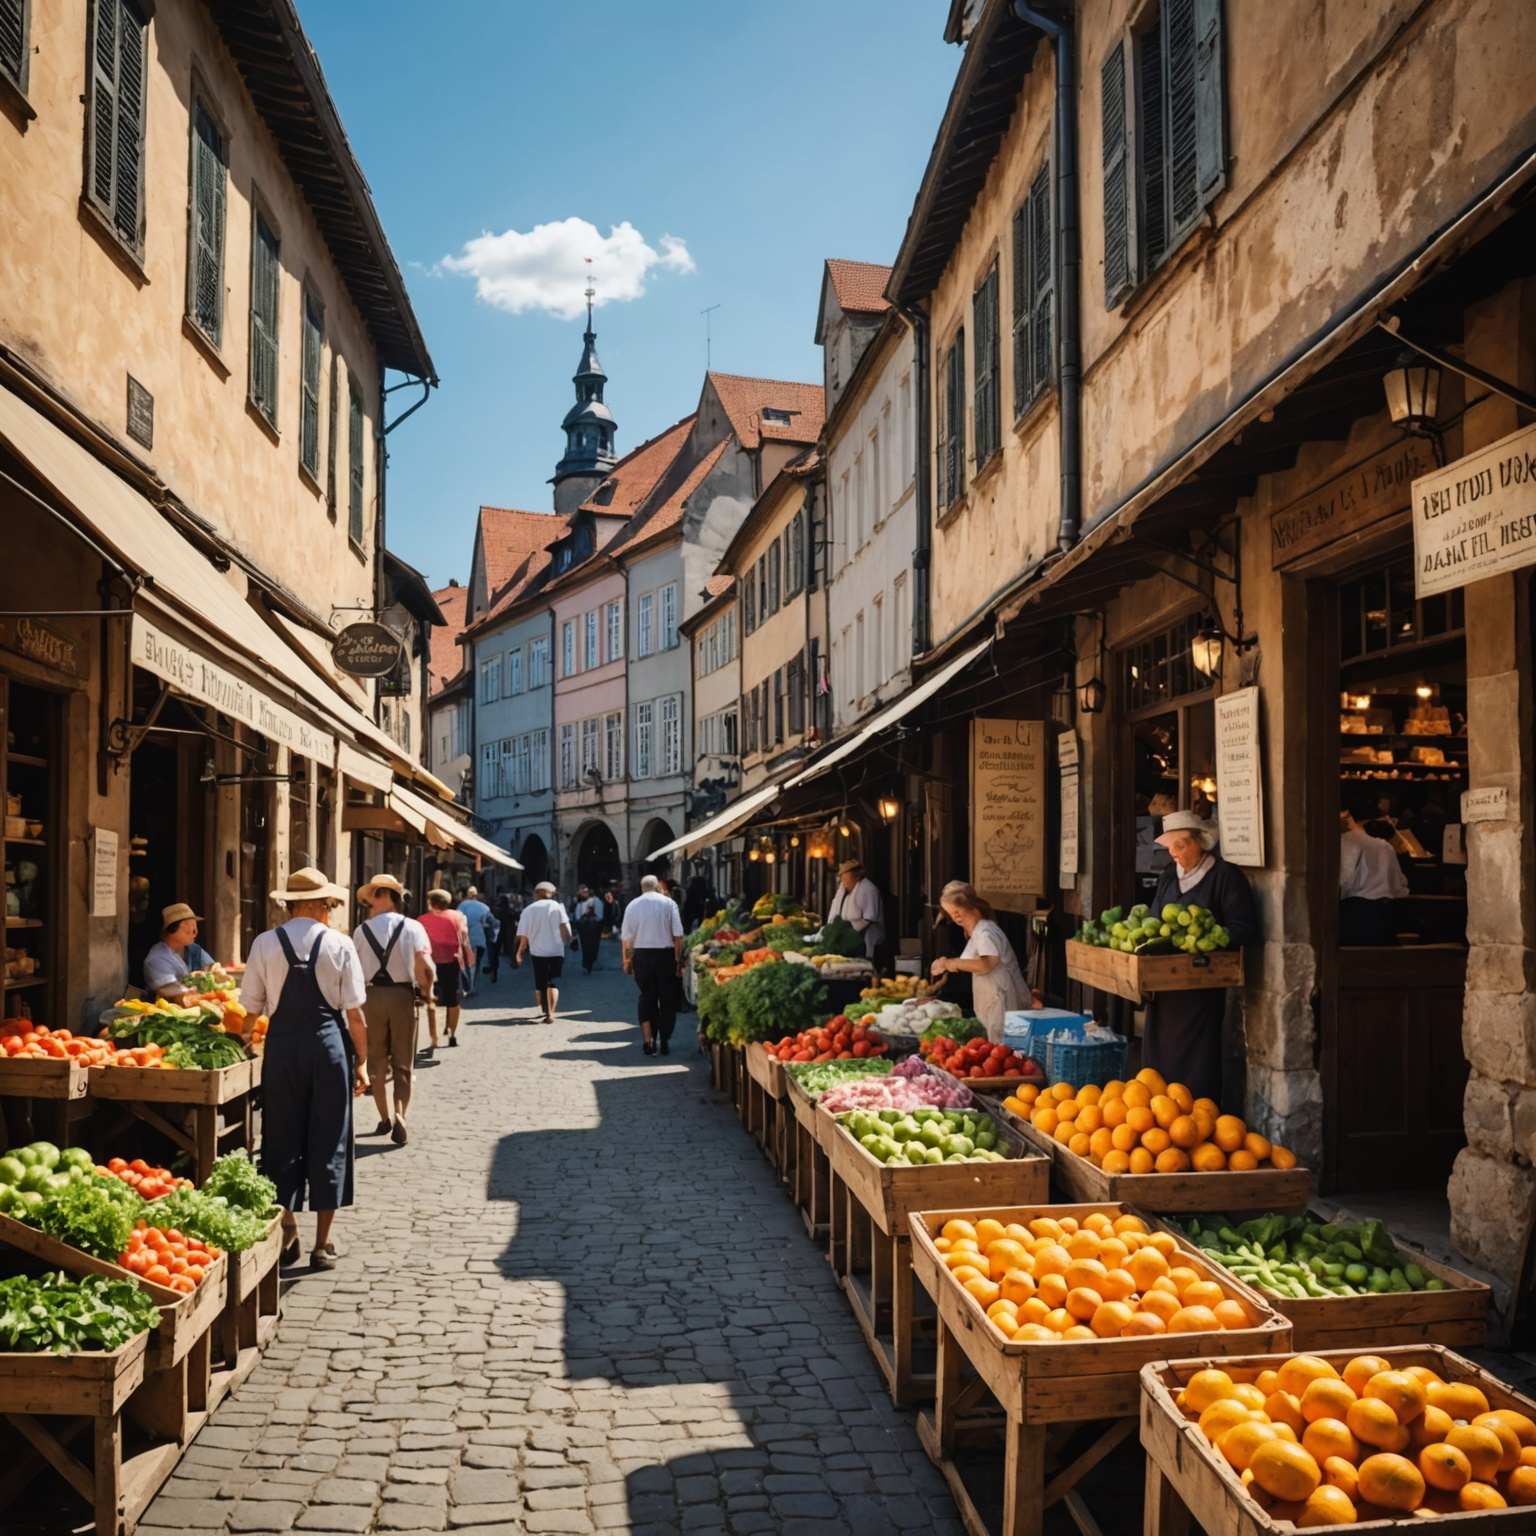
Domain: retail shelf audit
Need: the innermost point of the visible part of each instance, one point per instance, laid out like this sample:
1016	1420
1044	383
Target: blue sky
763	136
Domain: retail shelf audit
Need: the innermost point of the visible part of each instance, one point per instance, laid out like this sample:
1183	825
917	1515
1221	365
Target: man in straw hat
177	955
305	976
858	902
396	955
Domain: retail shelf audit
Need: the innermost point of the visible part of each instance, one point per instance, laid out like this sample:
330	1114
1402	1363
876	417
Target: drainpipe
922	550
1069	267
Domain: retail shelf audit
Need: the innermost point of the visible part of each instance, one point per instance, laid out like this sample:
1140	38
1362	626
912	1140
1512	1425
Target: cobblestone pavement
577	1301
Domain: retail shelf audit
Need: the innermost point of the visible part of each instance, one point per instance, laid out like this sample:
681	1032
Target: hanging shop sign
1365	494
190	672
1240	778
1476	518
1067	764
1008	811
42	643
366	649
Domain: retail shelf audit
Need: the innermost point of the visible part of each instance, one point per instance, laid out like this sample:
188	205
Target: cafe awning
407	804
720	826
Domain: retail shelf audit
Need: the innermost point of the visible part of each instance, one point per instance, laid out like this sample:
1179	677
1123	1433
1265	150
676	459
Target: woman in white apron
997	980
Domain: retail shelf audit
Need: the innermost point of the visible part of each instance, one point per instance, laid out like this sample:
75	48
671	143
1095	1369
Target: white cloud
546	267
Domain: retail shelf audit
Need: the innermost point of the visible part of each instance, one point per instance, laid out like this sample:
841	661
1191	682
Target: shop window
1159	668
1378	613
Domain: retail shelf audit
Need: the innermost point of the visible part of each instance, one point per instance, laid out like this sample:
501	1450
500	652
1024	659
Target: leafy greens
212	1219
94	1215
58	1314
236	1179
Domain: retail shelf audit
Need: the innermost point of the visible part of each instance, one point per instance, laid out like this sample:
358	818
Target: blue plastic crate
1084	1061
1025	1029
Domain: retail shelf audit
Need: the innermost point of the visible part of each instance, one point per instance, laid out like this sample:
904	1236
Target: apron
306	1080
1182	1034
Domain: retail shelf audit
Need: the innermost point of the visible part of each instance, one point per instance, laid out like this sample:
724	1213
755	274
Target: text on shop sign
1476	518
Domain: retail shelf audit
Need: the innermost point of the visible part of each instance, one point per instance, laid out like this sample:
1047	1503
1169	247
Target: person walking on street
496	934
653	955
475	912
396	954
306	977
613	911
448	935
543	929
589	926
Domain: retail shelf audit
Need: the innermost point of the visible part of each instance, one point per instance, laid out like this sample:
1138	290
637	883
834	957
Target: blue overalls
306	1083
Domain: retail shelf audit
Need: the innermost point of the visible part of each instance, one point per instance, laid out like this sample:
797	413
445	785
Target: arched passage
534	857
656	833
595	853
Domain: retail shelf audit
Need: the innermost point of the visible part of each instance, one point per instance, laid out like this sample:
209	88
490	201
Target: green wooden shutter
101	118
957	407
330	444
13	41
1152	144
1210	101
265	252
983	326
1023	308
355	465
132	57
1183	136
309	386
209	179
1042	241
1119	249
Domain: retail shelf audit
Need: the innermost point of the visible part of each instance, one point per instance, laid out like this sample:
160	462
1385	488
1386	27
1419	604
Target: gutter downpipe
1069	248
922	551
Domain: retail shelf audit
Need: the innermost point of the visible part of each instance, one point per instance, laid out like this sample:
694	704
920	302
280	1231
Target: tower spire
589	426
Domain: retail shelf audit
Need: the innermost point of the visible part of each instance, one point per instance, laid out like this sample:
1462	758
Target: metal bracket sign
366	649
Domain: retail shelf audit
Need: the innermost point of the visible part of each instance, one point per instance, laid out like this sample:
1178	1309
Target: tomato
158	1274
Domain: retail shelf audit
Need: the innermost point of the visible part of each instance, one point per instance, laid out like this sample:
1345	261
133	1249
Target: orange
1006	1254
988	1230
1060	1091
1067	1109
1058	1320
1282	1157
1083	1245
1427	1376
1165	1243
1183	1277
1267	1381
1114	1251
1116	1285
1082	1302
1507	1438
965	1273
1206	1120
1341	1474
1372	1421
1085	1272
1052	1259
1155	1141
1361	1369
1520	1488
1484	1449
1193	1320
1090	1094
1242	1440
1224	1414
1285	1470
1230	1132
1257	1145
1183	1131
1115	1111
1018	1286
1181	1096
1164	1110
1081	1143
1241	1161
1202	1293
1391	1481
1123	1138
955	1227
1113	1089
1166	1283
1445	1467
1231	1313
1142	1161
1045	1226
1003	1308
1159	1303
1078	1331
1065	1131
1145	1265
1141	1120
1154	1080
1326	1398
1330	1437
1142	1323
1034	1310
1249	1396
1052	1290
962	1258
1206	1107
1403	1394
1100	1142
1430	1428
1282	1408
1033	1333
985	1291
1208	1158
1481	1496
1110	1320
1116	1162
1006	1323
1044	1119
1326	1505
1206	1387
1460	1399
1300	1371
1525	1430
1171	1160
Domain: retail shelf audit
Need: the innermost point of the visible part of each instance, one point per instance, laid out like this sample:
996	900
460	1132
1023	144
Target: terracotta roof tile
446	660
508	537
634	477
859	286
668	513
746	399
523	580
717	586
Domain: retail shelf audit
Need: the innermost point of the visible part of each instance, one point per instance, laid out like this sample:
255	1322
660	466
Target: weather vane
591	292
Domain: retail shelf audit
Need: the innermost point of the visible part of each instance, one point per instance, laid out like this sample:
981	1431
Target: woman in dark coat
1183	1033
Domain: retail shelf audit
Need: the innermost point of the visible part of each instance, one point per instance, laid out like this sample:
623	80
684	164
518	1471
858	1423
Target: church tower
589	429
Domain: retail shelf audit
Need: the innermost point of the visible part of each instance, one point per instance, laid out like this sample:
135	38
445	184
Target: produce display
910	1085
190	1038
237	1179
923	1137
817	1078
164	1256
1178	927
210	1219
1055	1279
911	1018
840	937
895	989
765	1002
978	1057
21	1038
145	1180
30	1174
1146	1126
55	1314
1303	1256
836	1040
1317	1446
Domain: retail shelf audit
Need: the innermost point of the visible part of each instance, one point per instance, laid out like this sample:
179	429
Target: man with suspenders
396	957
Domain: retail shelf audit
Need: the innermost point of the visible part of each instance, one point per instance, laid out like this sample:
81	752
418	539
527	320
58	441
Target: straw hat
380	883
309	884
437	893
543	887
850	867
1187	821
178	912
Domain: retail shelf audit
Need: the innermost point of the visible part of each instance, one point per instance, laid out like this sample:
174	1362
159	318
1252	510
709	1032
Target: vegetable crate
54	1401
51	1079
1456	1315
213	1111
829	1136
1188	1481
993	1087
1064	1406
1075	1178
808	1164
251	1312
877	1259
1135	977
764	1093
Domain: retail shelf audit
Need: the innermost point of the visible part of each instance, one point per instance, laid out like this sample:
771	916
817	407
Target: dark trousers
492	954
656	976
1367	922
591	935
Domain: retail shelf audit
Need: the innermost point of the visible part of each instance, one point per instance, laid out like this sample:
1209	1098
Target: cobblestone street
576	1301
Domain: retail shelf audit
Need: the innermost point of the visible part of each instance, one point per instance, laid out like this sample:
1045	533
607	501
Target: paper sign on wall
1239	778
1068	766
1008	811
104	872
1489	804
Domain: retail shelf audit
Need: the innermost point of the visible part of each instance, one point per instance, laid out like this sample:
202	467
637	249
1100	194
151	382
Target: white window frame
538	662
613	745
486	789
568	648
672	733
589	738
506	783
589	653
615	626
645	730
568	755
512	673
667	607
490	680
538	755
645	640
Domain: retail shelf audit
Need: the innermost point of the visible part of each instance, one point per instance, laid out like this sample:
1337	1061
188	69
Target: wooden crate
993	1087
1075	1178
1044	1389
251	1312
1457	1316
1135	977
155	1085
41	1079
1187	1481
765	1070
763	1102
200	1113
809	1185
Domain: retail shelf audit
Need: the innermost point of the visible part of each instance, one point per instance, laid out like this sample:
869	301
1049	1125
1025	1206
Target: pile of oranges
1055	1279
1318	1447
1146	1126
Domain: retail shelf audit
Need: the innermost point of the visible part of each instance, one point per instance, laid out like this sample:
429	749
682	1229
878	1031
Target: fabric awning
722	824
363	768
405	802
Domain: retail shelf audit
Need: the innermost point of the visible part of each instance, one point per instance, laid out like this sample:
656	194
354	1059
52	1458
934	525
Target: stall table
250	1314
808	1162
765	1107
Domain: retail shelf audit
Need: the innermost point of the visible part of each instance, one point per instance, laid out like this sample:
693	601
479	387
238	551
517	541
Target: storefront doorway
32	836
1390	727
597	857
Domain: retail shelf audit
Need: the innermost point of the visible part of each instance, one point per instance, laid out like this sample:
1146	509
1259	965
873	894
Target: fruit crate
876	1266
1188	1481
763	1093
1075	1178
808	1163
200	1113
34	1079
1135	977
250	1315
1457	1315
991	1087
1047	1393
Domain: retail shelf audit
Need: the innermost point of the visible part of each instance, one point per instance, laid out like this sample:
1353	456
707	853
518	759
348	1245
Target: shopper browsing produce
1183	1032
177	955
997	979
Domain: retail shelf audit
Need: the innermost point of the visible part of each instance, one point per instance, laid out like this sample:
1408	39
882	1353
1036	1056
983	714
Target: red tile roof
635	476
717	585
859	286
523	580
745	399
507	537
668	513
446	660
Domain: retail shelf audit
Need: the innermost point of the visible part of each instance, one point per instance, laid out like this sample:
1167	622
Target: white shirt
861	908
1003	988
651	921
163	966
337	971
402	958
1368	868
589	911
541	924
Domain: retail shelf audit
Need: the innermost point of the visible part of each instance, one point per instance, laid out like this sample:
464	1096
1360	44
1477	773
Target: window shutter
127	208
1183	177
957	409
102	120
1210	102
1119	254
1152	141
355	466
1023	307
264	282
309	415
330	442
208	228
13	41
1042	240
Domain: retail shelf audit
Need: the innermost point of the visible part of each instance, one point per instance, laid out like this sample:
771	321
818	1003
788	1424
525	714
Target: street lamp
1090	698
890	809
1413	392
1206	647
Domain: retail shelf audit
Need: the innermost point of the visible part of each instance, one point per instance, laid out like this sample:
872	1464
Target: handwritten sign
104	872
1477	517
1008	811
1490	804
1362	495
1240	778
1067	764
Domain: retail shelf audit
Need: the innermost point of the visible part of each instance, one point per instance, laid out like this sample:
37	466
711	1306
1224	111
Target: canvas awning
721	826
407	804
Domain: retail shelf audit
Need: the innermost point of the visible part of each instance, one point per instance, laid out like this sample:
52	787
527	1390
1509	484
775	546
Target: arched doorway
534	857
655	834
595	853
